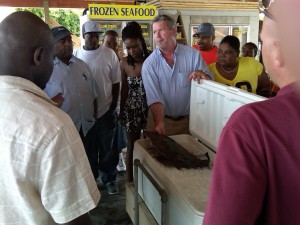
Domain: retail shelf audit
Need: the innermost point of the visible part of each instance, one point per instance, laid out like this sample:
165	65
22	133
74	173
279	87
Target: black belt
175	118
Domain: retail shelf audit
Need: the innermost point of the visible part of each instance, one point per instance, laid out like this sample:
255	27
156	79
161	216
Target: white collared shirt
78	88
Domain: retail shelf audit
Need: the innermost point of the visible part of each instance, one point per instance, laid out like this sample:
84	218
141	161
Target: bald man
256	172
287	23
45	175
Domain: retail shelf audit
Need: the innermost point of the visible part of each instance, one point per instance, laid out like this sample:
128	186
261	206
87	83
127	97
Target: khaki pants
172	127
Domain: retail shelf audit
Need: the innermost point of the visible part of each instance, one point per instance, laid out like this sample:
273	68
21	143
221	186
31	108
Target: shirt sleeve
67	185
259	67
202	65
115	72
239	177
151	84
53	87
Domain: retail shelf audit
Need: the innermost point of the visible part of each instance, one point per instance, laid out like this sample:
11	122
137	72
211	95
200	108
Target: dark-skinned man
45	174
75	90
105	68
205	36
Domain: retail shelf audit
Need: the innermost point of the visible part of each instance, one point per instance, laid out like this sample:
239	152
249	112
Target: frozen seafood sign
121	12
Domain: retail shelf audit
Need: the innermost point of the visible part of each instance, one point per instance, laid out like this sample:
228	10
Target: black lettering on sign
138	12
126	12
131	12
122	11
104	11
151	12
111	11
114	11
94	11
141	12
101	11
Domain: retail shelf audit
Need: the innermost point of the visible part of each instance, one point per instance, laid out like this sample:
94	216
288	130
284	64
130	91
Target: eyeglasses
263	7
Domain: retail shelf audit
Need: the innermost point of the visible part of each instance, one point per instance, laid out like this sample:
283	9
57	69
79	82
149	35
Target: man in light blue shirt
73	88
167	75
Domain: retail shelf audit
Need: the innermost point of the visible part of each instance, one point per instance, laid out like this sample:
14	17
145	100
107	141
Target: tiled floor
111	208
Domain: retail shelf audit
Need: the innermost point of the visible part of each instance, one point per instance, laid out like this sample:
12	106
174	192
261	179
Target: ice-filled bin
187	189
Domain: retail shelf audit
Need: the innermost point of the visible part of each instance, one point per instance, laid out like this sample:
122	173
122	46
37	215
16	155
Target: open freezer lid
211	106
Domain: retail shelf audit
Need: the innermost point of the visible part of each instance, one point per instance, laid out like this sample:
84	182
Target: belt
175	118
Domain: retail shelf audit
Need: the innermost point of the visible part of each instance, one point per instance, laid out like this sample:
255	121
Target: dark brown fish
171	154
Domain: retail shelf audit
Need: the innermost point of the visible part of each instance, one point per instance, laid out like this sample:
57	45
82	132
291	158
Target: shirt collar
57	60
292	87
176	51
13	82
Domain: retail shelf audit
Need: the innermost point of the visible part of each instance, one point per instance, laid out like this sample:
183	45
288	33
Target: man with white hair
167	75
256	172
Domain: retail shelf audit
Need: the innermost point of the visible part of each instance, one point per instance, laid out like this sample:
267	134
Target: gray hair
170	21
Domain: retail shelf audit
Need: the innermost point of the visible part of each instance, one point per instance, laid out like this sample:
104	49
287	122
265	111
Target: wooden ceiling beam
61	3
84	3
206	4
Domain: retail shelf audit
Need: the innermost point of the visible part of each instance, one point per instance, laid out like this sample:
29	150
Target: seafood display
171	154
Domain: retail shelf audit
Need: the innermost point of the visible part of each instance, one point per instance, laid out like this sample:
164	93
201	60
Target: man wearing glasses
255	177
205	36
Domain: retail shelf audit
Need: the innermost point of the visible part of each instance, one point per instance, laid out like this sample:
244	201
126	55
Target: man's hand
58	99
199	75
160	128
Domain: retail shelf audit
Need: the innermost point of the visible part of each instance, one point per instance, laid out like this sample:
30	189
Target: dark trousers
108	156
90	144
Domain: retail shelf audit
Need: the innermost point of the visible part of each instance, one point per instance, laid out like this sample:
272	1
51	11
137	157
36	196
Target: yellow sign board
122	12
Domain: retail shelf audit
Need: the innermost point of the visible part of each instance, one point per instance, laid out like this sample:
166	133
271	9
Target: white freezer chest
187	189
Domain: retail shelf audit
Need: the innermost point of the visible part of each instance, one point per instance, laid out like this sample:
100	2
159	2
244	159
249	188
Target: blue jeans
120	139
108	158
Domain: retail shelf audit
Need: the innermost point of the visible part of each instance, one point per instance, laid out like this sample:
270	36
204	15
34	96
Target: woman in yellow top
243	72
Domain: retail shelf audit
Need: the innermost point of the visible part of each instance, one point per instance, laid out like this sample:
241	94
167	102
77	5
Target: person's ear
174	31
276	55
38	56
213	37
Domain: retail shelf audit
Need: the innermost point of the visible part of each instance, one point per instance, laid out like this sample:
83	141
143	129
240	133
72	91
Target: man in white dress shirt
72	86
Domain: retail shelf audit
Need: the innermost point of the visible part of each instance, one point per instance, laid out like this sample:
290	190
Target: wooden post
46	11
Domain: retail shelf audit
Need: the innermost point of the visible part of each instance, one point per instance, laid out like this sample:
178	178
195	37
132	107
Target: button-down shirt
45	174
78	88
170	85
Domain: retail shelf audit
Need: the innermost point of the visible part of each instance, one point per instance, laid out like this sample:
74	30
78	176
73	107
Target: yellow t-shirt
249	70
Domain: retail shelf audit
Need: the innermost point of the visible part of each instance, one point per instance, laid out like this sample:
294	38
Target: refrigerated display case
164	195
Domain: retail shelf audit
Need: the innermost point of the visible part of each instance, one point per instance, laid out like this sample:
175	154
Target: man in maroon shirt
256	172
